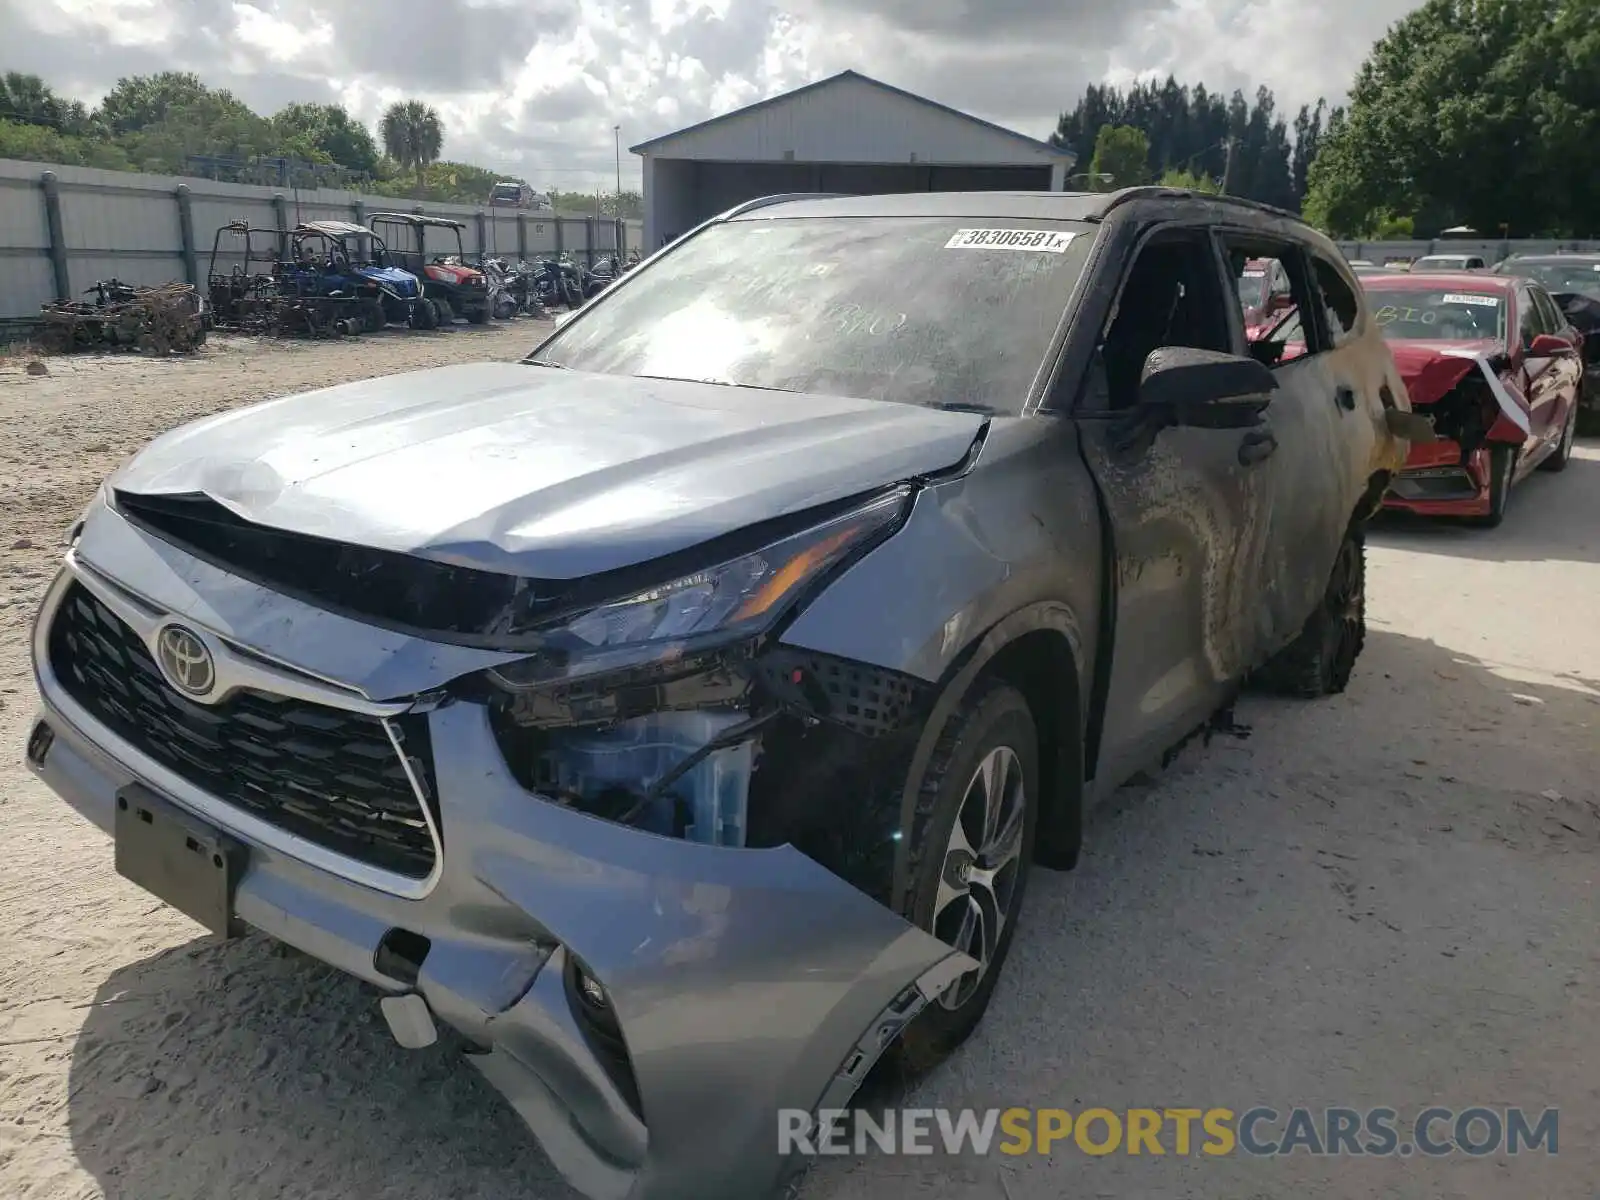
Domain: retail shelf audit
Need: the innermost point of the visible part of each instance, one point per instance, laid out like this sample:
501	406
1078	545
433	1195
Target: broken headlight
733	601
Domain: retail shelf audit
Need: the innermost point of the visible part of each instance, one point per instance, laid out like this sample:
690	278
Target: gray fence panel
126	225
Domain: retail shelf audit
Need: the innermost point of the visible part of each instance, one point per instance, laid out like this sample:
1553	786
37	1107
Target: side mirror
1548	345
1205	388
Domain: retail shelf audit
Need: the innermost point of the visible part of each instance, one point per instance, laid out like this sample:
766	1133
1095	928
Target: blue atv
338	258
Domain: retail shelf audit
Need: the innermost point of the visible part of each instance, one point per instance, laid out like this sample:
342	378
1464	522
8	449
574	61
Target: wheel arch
1037	650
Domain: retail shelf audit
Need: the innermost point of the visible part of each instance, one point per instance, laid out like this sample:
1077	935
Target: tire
1502	468
372	316
424	315
1558	458
991	736
478	316
1320	661
446	311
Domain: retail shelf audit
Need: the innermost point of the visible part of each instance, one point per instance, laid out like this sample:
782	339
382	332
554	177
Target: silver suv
678	713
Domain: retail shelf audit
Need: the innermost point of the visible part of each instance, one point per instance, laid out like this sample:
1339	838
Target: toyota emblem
185	660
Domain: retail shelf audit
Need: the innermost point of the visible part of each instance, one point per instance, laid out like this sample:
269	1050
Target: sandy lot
1387	899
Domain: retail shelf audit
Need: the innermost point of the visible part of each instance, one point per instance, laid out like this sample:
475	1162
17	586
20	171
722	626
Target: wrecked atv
679	713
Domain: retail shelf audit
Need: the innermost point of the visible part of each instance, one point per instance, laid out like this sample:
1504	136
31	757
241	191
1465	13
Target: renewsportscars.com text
1259	1132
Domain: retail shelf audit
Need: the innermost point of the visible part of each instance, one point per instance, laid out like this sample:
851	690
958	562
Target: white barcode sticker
1044	241
1480	301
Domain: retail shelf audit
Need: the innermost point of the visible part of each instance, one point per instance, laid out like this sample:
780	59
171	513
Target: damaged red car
1264	295
1498	367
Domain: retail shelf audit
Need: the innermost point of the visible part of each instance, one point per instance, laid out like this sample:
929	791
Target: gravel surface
1384	899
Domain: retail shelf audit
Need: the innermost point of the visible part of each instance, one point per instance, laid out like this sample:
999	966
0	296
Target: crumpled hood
542	472
1431	368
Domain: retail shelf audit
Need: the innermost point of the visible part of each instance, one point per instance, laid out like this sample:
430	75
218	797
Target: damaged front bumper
647	1003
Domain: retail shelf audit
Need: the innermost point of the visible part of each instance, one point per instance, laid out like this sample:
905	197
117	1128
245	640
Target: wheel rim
982	863
1346	603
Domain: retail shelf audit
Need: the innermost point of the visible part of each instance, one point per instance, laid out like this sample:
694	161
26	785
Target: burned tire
1502	468
971	845
1319	662
1558	458
478	316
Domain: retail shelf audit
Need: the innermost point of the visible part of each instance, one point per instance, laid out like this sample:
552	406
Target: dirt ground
1385	899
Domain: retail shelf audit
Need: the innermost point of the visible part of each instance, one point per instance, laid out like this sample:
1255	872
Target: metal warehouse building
847	133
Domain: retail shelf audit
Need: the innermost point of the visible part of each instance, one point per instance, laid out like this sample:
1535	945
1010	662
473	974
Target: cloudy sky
534	87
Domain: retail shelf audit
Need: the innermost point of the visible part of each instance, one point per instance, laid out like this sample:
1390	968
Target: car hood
1432	368
541	472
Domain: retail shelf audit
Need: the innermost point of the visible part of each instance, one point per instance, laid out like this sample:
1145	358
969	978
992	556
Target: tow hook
409	1020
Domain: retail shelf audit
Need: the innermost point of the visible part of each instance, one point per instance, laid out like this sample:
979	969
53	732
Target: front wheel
1320	661
1562	454
971	846
1502	469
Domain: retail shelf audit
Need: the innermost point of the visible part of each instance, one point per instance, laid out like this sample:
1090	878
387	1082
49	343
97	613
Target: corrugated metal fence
1492	249
62	228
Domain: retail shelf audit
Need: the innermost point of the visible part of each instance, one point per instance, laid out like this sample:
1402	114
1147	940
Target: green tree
1191	129
29	100
139	101
412	135
311	131
1122	153
42	143
1476	112
1191	181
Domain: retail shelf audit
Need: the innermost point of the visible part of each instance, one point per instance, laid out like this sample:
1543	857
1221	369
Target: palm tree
412	135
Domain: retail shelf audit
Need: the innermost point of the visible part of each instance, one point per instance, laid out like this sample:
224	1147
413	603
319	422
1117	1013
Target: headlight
736	600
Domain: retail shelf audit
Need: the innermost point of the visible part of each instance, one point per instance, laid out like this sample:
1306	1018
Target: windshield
507	191
936	311
1439	314
1443	262
1582	278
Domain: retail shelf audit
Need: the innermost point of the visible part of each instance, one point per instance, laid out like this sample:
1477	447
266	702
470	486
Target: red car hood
1431	369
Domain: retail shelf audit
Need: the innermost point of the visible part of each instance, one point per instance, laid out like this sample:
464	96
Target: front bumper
742	981
1435	483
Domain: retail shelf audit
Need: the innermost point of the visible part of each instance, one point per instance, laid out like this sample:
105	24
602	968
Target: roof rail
781	198
1156	191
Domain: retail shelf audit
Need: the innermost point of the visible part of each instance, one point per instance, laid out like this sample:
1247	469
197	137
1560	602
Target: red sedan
1497	366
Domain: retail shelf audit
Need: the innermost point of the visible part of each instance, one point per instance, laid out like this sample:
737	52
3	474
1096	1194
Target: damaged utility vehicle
678	713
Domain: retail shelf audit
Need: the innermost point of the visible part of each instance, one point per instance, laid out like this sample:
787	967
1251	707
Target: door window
1286	333
1339	302
1550	318
1172	297
1529	322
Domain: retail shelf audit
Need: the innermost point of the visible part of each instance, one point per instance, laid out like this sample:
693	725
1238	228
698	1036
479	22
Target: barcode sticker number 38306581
1045	241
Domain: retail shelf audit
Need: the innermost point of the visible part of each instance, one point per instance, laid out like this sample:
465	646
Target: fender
973	660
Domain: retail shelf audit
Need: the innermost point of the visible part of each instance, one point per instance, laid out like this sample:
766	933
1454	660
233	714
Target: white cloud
534	87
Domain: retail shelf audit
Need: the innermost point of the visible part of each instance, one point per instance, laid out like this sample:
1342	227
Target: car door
1542	375
1306	476
1183	507
1566	369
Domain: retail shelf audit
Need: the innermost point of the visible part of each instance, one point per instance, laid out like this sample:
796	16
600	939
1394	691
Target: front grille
321	773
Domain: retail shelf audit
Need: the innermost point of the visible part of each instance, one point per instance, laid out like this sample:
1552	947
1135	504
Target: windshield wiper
545	362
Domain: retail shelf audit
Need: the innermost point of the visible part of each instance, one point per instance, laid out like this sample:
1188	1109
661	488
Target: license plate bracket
177	857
